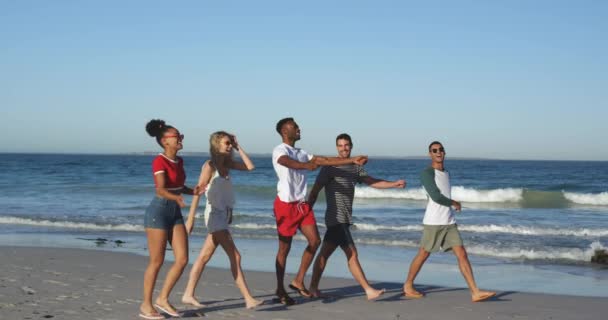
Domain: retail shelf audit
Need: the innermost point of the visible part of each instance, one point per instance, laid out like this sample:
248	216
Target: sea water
527	225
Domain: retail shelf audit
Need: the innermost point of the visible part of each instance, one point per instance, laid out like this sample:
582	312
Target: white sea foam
574	254
253	226
492	228
371	193
458	192
553	254
70	225
598	199
534	231
390	243
378	227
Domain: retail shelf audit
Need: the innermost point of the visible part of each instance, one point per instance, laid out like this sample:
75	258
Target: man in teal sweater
440	230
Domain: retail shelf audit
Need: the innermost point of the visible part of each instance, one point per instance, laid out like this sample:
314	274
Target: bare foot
315	293
284	298
373	294
192	301
148	311
482	295
166	307
411	292
253	303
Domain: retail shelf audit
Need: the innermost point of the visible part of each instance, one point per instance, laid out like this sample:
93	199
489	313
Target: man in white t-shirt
440	230
291	210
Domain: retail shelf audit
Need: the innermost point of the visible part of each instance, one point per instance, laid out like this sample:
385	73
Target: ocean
527	225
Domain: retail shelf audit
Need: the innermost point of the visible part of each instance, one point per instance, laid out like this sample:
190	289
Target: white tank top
219	192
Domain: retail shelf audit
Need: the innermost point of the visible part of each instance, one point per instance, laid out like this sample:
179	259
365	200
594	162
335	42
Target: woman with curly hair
163	220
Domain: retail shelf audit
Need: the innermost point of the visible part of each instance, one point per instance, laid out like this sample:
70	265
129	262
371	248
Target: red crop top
175	176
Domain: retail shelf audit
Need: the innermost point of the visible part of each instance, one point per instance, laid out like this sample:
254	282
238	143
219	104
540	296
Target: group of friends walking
293	211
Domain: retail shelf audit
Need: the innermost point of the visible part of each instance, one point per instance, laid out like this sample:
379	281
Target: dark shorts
163	214
339	235
290	216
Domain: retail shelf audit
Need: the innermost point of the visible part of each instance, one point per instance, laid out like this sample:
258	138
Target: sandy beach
52	283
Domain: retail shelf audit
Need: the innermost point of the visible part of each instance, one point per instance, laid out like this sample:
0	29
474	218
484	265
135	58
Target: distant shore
268	155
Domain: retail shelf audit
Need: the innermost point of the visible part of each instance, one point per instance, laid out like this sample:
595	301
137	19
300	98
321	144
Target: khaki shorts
441	237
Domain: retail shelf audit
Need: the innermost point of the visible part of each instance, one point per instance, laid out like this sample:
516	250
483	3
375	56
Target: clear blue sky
498	79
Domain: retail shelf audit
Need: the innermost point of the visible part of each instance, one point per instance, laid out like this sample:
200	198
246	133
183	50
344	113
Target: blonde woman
215	174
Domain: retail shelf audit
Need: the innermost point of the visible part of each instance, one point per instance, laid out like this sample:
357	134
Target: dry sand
51	283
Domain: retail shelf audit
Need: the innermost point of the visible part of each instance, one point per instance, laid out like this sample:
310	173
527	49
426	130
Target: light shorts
440	237
163	214
290	216
217	219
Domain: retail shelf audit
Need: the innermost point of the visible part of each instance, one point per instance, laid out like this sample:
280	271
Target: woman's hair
214	149
157	128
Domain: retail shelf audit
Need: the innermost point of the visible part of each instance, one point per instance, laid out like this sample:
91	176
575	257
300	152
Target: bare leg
416	265
197	270
311	232
178	239
157	244
467	273
224	238
317	270
355	269
280	264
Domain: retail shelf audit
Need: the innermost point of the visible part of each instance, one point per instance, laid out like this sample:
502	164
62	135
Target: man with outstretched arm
339	183
291	211
440	231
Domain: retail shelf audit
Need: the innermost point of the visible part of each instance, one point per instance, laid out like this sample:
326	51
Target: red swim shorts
291	215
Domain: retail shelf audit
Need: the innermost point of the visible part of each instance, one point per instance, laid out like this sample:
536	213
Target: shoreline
64	283
380	264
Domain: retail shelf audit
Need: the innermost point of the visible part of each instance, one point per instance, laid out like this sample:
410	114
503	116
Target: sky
490	79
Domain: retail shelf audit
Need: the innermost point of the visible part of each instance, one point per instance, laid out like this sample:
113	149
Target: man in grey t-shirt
339	183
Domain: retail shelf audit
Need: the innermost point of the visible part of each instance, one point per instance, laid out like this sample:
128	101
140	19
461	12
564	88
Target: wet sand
52	283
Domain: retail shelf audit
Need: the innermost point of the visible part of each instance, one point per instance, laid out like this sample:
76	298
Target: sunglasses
179	137
435	150
227	143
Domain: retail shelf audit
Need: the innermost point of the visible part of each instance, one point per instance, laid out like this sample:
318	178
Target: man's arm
290	163
320	182
337	161
383	184
427	178
314	193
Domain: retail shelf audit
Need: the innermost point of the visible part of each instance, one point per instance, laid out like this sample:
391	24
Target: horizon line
193	153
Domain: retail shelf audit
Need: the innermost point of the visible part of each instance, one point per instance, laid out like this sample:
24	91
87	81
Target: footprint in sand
242	315
56	282
57	273
28	290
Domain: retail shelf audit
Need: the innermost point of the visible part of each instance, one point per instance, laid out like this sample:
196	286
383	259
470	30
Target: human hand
360	160
199	189
189	226
234	142
180	201
311	166
456	205
399	184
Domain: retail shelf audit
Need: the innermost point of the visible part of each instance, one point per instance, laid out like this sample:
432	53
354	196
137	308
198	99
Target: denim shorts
163	214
